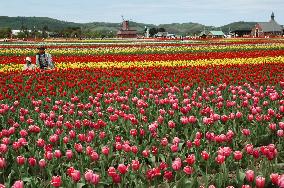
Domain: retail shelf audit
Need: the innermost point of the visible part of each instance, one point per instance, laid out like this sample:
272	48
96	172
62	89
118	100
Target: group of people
43	61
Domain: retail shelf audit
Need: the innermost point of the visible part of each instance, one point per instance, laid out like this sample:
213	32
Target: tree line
68	32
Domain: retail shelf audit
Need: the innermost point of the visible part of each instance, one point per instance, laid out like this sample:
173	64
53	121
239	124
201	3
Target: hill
16	23
38	22
238	26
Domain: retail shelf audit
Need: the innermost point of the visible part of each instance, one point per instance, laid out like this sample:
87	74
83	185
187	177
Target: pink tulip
69	154
89	175
281	181
42	163
95	179
76	175
56	181
238	155
205	155
274	178
190	159
2	163
174	148
18	184
122	168
220	159
176	165
250	176
135	165
188	170
260	182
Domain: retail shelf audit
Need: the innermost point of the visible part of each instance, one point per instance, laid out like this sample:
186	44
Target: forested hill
16	23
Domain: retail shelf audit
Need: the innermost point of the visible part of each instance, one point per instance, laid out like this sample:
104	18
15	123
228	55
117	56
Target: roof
216	33
270	26
127	32
203	33
161	34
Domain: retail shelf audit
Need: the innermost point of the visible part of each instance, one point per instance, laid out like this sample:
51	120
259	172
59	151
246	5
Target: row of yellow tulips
145	64
142	49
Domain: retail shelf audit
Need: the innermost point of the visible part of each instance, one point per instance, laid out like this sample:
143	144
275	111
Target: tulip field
145	114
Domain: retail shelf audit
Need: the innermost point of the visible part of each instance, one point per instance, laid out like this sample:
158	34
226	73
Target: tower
272	16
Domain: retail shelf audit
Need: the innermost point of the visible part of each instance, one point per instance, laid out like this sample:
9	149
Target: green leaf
240	178
80	185
162	157
10	176
181	182
26	179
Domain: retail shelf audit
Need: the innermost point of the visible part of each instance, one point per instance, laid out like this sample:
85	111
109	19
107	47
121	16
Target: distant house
16	32
164	35
216	34
203	34
266	29
161	35
125	31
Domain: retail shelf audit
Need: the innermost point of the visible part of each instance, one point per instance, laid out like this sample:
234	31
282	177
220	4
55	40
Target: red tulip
250	176
176	165
274	178
57	154
190	159
69	154
220	159
145	153
205	155
174	148
168	175
89	175
238	155
281	181
135	165
188	170
94	156
2	163
122	168
78	147
76	175
42	163
111	171
56	181
96	179
116	178
105	150
32	161
260	182
21	160
18	184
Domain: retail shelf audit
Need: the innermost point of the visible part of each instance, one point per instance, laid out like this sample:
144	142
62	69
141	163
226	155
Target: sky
208	12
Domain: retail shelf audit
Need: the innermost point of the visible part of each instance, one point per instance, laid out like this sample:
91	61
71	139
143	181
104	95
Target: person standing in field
29	65
43	59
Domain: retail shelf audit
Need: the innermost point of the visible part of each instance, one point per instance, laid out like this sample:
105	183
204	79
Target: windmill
122	18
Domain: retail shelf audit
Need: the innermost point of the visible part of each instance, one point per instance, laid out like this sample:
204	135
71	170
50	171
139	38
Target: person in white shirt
43	59
29	65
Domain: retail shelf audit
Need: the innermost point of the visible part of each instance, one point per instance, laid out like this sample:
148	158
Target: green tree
153	31
24	32
44	33
161	29
5	33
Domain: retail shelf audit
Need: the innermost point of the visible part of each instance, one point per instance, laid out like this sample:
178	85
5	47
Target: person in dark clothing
43	59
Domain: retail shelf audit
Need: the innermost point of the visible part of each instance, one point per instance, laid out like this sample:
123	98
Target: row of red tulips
181	135
15	85
149	57
147	44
